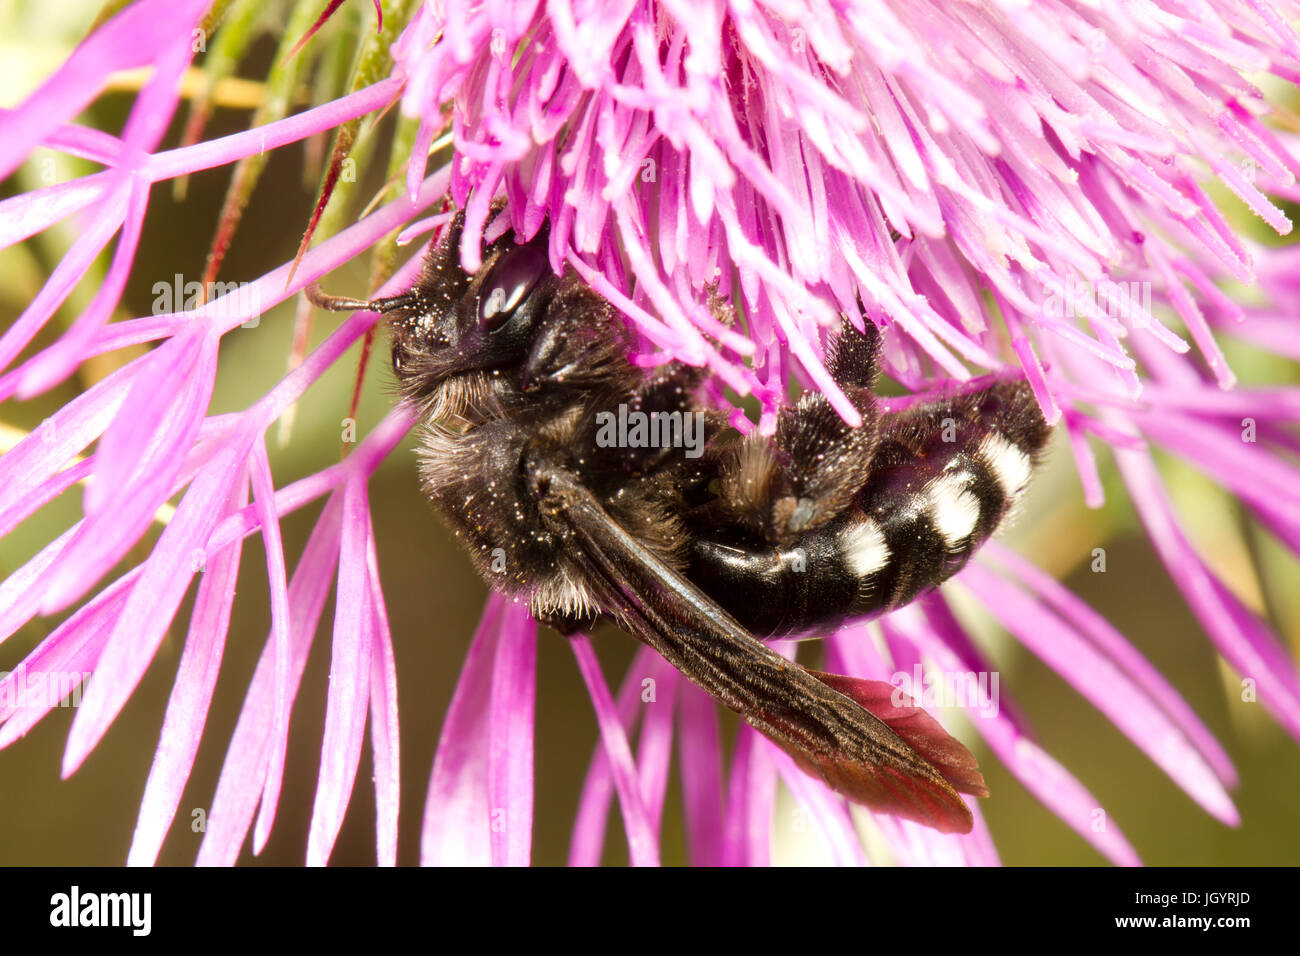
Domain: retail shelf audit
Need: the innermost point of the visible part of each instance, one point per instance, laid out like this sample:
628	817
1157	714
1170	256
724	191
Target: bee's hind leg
810	470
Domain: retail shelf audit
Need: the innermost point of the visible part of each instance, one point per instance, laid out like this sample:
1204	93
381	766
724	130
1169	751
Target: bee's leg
816	462
767	548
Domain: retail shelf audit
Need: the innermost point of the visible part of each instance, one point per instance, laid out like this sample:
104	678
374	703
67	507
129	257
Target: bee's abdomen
774	591
942	481
917	523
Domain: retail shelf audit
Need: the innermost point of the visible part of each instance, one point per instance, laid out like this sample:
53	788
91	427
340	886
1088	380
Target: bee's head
454	329
470	345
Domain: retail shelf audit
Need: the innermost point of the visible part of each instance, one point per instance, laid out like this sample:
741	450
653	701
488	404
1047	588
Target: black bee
591	489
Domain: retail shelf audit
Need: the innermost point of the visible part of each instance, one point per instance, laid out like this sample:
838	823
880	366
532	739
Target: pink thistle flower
1003	189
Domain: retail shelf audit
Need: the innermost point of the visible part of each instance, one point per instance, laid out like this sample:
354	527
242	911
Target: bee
592	489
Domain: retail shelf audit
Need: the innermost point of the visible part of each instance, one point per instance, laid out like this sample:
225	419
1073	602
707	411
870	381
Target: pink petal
655	743
1041	775
187	708
60	437
916	845
747	838
383	721
46	492
151	606
19	597
1243	641
820	808
85	142
281	628
587	844
150	404
457	817
28	213
700	757
110	532
349	690
1110	641
59	361
1127	704
641	844
72	648
71	268
132	38
228	149
245	769
510	743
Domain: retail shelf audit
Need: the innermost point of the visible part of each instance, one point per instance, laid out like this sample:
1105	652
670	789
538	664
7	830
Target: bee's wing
823	721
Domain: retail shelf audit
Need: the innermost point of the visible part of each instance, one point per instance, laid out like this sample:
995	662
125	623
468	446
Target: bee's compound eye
507	286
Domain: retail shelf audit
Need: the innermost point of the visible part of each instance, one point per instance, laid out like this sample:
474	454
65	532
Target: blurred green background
434	597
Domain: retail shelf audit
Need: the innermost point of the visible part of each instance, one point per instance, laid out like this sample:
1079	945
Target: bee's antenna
341	303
